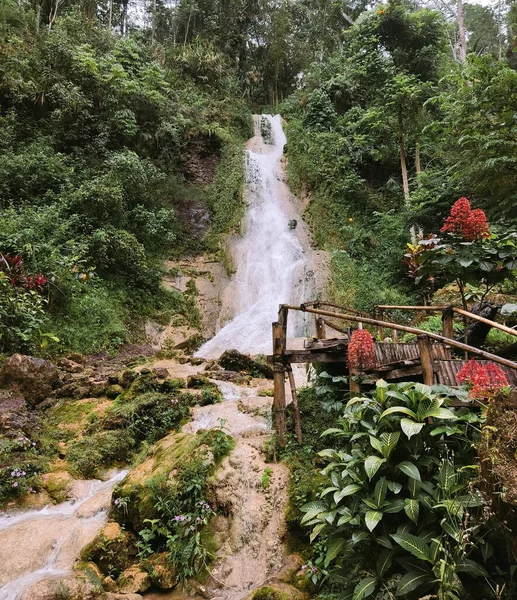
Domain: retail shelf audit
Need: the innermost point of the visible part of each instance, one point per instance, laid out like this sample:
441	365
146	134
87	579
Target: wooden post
296	406
447	323
279	347
378	314
321	333
426	358
354	385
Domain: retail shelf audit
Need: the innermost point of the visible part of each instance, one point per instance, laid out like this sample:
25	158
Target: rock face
233	360
34	378
57	588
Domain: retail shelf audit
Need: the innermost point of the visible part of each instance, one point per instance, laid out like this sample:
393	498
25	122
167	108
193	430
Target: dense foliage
399	512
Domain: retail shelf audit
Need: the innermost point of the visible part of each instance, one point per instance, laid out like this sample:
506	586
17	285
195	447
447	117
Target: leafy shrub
90	454
401	511
19	467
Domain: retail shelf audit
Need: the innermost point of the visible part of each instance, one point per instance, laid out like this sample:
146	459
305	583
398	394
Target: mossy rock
112	550
146	482
57	484
114	390
278	591
233	360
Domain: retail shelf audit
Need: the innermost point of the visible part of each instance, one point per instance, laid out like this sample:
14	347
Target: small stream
39	544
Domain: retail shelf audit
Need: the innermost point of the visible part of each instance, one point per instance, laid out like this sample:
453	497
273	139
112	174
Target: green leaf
409	469
414	487
348	490
394	486
316	531
465	262
411	581
384	562
364	588
334	549
377	445
395	506
385	542
398	409
372	518
465	565
410	427
413	544
389	441
412	509
379	492
359	536
372	464
312	509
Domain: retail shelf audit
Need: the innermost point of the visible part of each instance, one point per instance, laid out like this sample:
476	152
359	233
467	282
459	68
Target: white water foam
271	261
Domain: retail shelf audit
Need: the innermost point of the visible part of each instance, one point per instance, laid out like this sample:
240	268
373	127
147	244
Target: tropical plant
401	514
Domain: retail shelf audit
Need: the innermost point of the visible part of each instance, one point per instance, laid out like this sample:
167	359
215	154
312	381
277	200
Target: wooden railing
281	366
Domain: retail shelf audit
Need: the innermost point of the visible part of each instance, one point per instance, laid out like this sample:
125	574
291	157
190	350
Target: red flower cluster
470	224
12	266
361	350
484	381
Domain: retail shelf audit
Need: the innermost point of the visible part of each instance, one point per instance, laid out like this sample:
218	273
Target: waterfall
271	258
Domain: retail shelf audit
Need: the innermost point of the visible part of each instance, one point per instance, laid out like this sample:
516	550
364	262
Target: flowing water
40	544
274	262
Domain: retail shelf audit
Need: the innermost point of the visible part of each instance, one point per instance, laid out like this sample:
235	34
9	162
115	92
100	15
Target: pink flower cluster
484	381
470	224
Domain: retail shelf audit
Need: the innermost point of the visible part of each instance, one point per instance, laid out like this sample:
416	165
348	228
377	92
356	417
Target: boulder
278	591
33	377
113	596
114	390
134	580
233	360
112	549
98	388
197	381
57	484
14	415
160	372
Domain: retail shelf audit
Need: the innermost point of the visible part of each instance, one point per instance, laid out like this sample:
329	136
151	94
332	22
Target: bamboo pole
426	308
434	336
493	324
426	359
279	348
447	323
296	406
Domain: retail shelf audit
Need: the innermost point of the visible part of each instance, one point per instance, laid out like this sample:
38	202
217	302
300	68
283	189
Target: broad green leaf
398	409
395	506
413	544
421	388
414	487
465	565
334	549
359	536
348	490
316	531
372	464
412	509
372	518
436	545
394	486
379	492
384	562
411	581
364	588
444	413
385	542
389	441
410	427
312	509
377	444
409	469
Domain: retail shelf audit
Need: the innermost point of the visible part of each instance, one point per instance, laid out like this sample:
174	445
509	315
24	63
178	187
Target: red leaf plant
483	381
361	350
470	224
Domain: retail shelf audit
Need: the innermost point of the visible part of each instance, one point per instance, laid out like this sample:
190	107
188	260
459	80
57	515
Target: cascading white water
271	258
42	544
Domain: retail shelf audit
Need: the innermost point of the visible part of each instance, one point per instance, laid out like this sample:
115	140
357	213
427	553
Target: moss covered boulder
112	550
278	591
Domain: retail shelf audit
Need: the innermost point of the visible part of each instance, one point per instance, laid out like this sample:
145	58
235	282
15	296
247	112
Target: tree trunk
403	169
153	21
462	42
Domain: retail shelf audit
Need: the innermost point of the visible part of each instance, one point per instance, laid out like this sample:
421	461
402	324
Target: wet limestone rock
113	596
57	484
134	580
34	378
75	587
233	360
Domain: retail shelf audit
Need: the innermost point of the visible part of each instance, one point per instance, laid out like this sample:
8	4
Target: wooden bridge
429	360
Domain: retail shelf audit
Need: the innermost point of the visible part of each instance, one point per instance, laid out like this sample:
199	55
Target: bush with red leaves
483	381
13	267
361	350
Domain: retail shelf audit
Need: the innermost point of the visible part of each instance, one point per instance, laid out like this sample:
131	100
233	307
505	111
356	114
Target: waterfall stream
273	257
40	544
